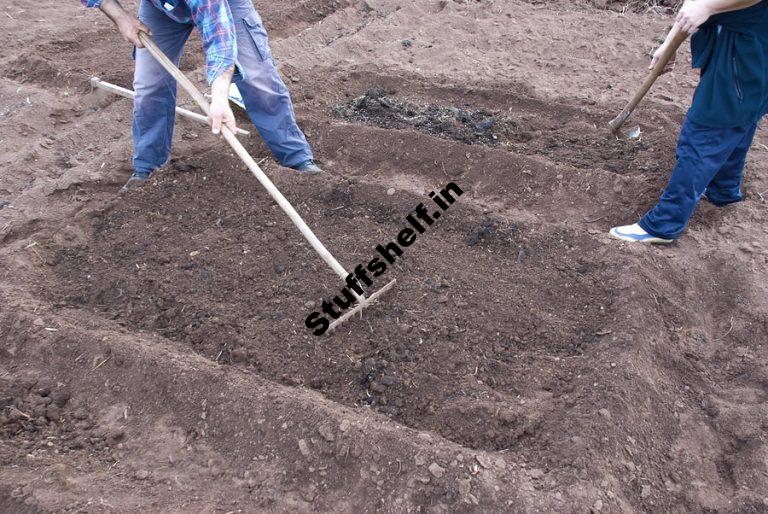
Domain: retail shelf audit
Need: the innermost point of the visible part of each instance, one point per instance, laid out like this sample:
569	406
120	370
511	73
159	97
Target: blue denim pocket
258	34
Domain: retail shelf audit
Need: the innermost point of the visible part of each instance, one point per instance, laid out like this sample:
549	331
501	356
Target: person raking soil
236	48
730	45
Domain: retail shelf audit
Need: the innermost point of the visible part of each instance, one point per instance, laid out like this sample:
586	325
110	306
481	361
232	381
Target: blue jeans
265	96
710	163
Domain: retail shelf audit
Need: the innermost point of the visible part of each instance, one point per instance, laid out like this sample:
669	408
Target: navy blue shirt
732	51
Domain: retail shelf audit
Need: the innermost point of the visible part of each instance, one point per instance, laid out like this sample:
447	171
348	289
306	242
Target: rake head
362	304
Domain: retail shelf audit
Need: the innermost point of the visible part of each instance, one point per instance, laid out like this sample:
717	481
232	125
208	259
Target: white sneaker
635	234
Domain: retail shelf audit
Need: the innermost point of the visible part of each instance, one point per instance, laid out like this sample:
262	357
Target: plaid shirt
214	21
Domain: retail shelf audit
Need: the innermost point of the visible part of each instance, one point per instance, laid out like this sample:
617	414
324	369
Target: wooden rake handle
241	152
96	82
678	39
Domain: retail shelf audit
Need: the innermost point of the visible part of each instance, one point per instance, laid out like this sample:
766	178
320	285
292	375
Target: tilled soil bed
154	349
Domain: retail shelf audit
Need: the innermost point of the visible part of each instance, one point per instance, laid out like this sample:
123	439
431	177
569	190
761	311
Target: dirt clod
327	433
436	470
304	448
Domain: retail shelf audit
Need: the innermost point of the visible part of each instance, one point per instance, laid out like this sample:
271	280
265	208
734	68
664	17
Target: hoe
616	124
197	96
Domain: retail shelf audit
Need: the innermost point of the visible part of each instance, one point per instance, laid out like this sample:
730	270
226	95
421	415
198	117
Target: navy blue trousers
710	163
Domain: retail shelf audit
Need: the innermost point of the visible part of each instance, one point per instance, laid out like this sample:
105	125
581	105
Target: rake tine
363	305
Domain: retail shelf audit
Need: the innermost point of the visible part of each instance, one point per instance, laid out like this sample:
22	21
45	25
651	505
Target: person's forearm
220	86
672	34
112	9
695	13
721	6
126	23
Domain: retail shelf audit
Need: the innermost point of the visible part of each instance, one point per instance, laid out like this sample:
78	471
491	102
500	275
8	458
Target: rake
274	192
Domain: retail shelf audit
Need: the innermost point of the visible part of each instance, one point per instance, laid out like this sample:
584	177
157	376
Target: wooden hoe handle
655	73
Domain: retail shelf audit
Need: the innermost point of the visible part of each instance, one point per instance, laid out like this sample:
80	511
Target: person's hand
657	57
129	26
693	14
221	113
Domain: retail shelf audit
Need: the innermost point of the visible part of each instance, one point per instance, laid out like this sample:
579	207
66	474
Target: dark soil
471	127
533	131
207	281
153	351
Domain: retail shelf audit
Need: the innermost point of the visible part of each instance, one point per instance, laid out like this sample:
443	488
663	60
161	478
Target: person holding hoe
236	48
730	45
